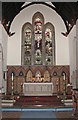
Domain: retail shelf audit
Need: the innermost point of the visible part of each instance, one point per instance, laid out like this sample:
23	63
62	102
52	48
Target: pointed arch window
38	21
38	42
26	44
49	44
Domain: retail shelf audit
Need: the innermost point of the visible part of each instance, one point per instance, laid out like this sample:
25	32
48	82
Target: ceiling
67	10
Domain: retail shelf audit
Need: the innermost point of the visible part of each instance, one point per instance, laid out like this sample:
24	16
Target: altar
37	89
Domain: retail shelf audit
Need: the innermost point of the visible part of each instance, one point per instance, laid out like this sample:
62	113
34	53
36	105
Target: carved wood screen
46	76
29	76
42	74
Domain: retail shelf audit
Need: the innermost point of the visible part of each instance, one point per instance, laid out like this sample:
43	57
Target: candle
5	75
12	76
12	87
64	76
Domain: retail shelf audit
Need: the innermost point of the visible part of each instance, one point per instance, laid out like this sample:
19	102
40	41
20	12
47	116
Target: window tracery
38	42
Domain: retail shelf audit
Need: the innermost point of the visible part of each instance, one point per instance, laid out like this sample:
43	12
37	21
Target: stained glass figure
49	43
38	40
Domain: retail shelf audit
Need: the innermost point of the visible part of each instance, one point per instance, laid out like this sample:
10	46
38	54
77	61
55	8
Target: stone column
1	77
77	54
0	58
1	74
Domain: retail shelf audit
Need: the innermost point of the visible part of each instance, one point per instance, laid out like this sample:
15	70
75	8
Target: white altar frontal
37	89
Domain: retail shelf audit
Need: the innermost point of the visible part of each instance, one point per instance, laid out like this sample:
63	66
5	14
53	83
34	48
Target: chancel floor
37	107
47	115
38	101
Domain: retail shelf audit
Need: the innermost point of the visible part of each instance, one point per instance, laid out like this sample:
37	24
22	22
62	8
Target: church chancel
38	74
38	59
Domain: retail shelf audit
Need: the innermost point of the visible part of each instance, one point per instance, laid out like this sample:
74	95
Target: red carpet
45	101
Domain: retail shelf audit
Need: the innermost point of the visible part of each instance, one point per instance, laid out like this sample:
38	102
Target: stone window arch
38	42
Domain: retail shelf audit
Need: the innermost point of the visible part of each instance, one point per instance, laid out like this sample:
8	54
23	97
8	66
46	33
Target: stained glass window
38	41
38	46
49	44
26	44
38	21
